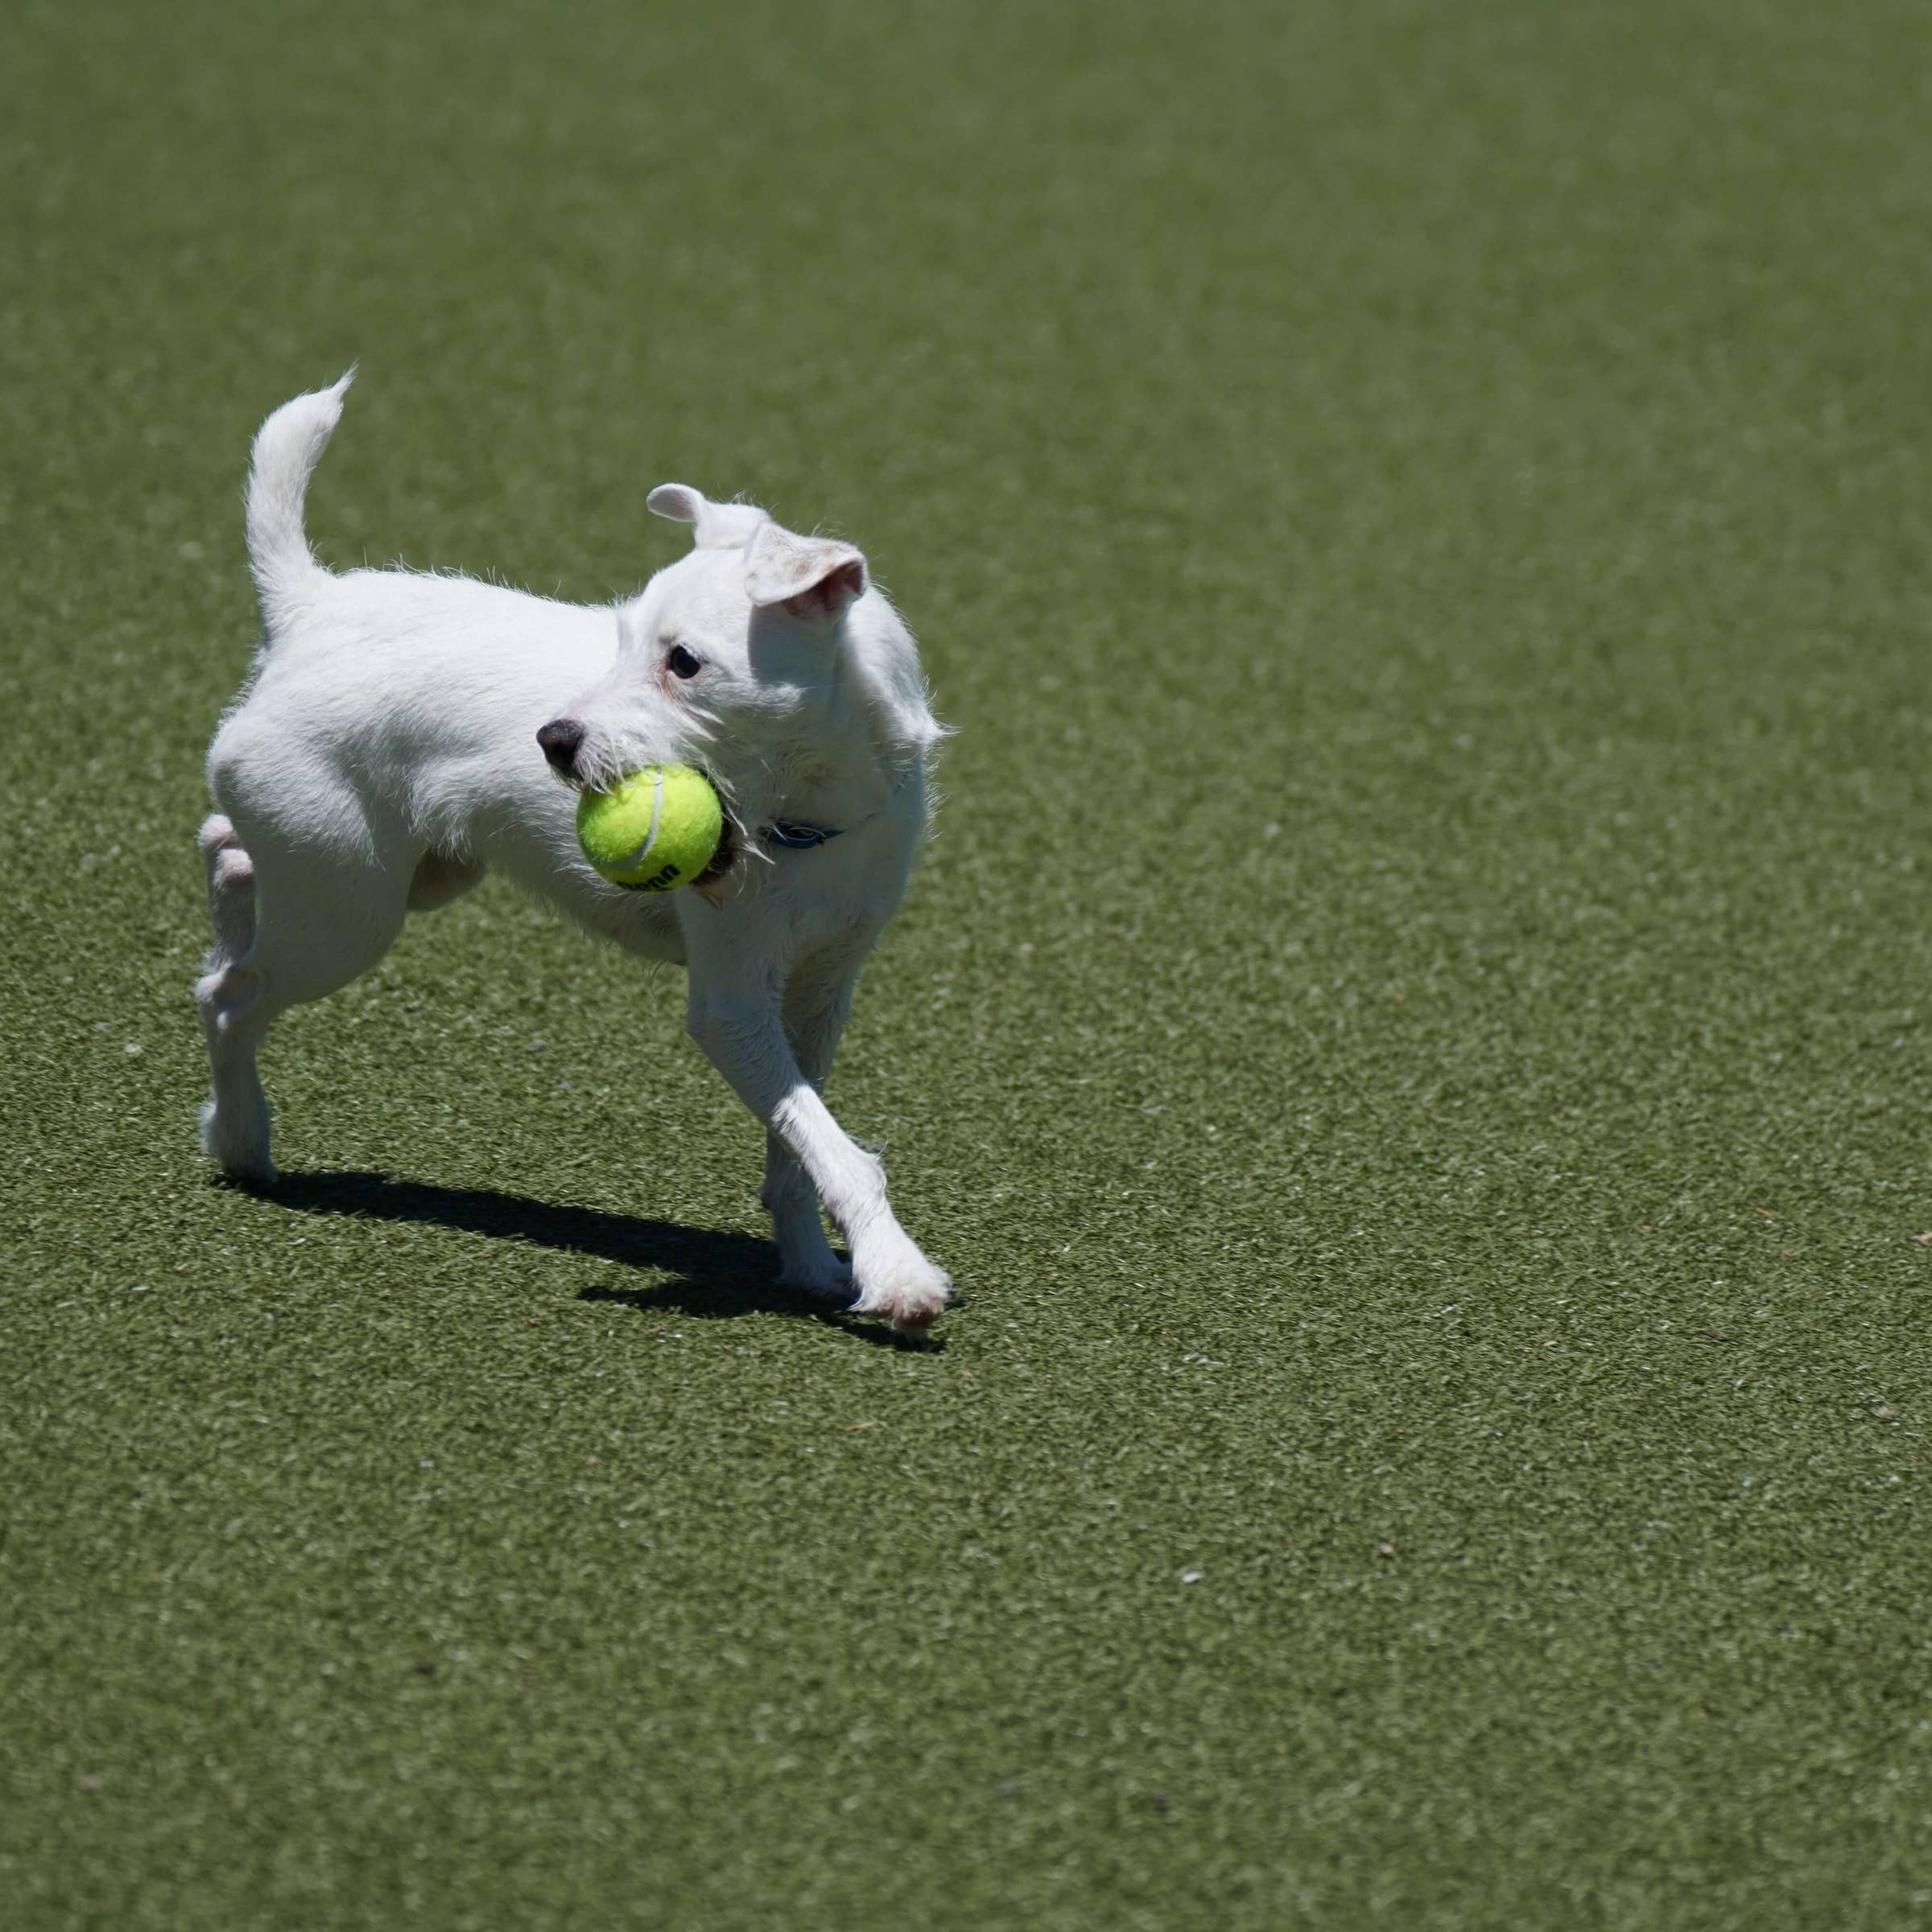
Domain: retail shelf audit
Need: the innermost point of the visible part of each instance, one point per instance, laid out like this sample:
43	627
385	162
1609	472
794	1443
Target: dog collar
796	837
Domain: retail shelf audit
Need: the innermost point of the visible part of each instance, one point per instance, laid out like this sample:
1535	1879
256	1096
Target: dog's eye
681	663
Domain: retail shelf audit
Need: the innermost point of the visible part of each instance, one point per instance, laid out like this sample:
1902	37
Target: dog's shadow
715	1274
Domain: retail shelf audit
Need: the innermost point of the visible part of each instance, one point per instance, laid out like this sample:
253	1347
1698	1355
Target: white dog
400	732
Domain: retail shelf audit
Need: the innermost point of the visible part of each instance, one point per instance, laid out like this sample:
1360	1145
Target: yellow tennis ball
657	829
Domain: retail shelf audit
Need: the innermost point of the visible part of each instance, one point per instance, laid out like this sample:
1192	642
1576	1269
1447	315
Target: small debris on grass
91	1783
1884	1411
1385	1549
851	1428
1923	1240
132	1046
1192	1576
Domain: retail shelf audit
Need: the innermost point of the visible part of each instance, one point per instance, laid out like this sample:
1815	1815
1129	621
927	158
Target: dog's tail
287	447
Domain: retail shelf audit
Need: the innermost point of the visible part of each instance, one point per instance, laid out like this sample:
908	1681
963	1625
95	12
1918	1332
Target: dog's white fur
384	754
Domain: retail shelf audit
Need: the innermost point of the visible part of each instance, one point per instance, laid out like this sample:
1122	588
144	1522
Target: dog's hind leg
234	1116
278	943
231	888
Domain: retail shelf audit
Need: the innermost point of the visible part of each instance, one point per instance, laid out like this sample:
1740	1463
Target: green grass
1411	1034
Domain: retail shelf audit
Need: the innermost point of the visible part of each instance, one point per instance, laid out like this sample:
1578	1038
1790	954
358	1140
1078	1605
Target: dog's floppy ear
714	525
816	578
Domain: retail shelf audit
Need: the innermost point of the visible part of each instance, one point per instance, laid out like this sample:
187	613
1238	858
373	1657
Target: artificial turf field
1410	1036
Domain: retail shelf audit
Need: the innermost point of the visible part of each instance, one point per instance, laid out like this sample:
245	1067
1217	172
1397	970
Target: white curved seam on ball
650	838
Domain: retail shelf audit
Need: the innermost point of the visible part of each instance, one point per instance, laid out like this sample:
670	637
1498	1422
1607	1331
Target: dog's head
758	658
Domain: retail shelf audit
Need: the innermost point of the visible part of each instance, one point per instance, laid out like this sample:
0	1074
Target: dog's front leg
818	1001
740	1028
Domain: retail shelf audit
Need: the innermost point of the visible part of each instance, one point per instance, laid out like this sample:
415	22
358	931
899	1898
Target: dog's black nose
562	739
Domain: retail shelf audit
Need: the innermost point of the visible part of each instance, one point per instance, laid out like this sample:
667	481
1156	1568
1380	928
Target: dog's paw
824	1278
243	1150
904	1287
251	1170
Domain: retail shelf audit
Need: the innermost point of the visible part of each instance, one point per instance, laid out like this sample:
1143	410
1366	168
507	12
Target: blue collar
795	837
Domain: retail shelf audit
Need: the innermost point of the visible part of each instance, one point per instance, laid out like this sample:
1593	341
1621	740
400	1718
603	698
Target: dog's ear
816	578
714	525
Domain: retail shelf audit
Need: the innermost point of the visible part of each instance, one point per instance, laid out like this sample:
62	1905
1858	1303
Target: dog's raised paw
907	1290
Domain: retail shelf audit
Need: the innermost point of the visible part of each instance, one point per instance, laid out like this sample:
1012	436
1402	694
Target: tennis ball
657	829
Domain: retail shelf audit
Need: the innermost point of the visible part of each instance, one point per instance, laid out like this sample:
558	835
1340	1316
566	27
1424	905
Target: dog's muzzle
562	739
